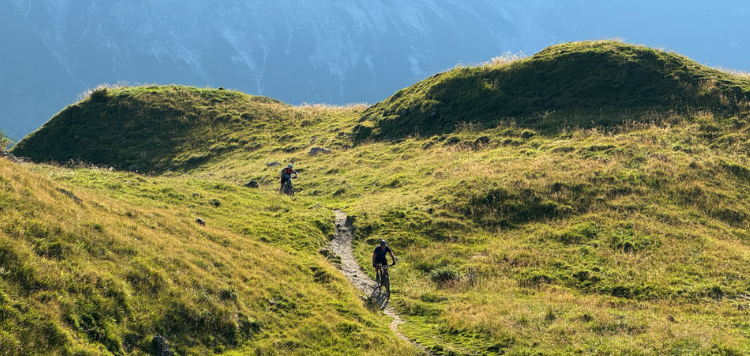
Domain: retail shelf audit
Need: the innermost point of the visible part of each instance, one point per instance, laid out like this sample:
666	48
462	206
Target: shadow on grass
378	299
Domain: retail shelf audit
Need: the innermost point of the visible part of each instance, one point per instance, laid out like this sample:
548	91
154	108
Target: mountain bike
383	279
288	188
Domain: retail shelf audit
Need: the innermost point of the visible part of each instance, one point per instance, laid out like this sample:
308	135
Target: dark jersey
381	253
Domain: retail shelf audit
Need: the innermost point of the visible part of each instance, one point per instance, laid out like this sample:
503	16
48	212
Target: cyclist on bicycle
286	175
379	256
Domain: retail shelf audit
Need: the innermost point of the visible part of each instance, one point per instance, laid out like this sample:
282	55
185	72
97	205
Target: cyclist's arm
392	257
374	255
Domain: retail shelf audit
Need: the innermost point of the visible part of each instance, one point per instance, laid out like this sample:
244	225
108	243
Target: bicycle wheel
387	282
288	189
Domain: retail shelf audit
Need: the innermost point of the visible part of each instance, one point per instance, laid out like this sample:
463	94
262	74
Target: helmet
290	165
382	242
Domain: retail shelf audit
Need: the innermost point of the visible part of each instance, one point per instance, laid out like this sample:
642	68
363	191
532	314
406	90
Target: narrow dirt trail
342	246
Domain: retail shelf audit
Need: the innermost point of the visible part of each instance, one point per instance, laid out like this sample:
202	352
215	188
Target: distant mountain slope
316	51
572	84
297	51
33	84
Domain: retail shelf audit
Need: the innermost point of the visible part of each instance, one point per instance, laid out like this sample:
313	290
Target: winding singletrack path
342	246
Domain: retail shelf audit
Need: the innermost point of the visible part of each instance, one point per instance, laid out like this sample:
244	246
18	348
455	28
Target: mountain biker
286	175
379	256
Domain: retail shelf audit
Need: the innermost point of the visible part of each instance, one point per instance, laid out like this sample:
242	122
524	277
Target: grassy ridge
163	128
103	274
581	84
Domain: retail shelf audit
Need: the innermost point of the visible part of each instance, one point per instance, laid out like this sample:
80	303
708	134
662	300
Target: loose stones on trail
252	184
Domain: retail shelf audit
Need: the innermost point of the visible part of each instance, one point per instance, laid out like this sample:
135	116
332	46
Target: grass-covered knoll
94	262
580	84
162	128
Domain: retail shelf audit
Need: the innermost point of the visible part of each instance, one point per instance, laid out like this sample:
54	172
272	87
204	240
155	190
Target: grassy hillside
101	270
512	240
163	128
580	84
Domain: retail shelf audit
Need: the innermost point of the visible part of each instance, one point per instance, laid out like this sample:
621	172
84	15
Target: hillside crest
579	84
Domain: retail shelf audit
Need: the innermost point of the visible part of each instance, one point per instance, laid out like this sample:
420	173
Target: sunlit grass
630	238
129	261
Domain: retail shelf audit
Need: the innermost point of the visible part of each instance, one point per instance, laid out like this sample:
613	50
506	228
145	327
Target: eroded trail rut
342	246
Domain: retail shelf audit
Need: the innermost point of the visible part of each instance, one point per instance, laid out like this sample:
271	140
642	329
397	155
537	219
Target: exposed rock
132	168
70	194
315	150
215	202
317	206
273	164
200	221
196	195
252	184
8	155
160	346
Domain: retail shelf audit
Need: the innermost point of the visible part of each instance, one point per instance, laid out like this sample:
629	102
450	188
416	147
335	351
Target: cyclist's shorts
382	262
284	179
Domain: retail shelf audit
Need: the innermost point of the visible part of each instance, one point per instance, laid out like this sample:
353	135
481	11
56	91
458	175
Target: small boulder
252	184
200	221
273	164
132	168
8	155
315	150
160	346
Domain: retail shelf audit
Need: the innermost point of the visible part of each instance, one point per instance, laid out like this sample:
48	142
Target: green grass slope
512	240
581	84
162	128
99	268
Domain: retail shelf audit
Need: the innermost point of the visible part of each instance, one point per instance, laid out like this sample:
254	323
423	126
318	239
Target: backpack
287	171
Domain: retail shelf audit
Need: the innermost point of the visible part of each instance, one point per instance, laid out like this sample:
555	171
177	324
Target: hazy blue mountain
334	51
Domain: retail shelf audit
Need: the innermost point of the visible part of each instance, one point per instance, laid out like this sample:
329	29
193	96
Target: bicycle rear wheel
289	189
387	282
